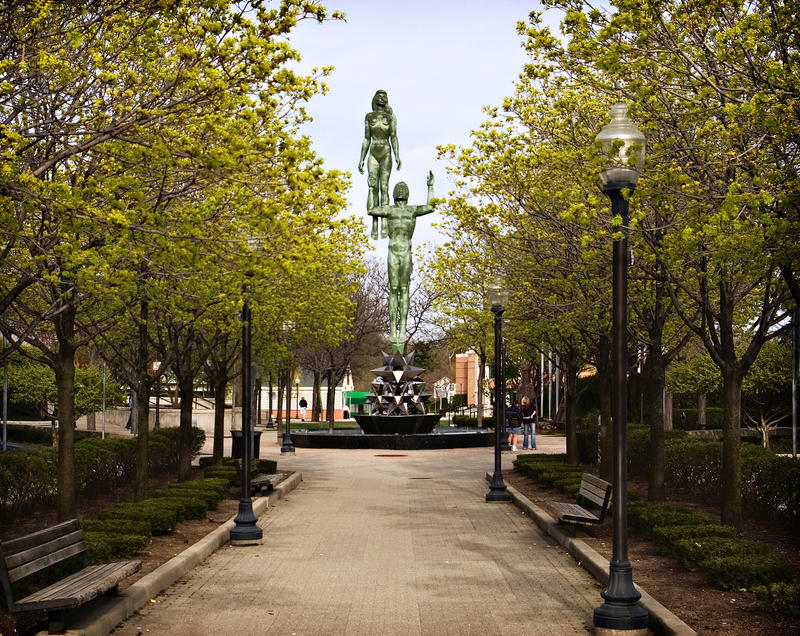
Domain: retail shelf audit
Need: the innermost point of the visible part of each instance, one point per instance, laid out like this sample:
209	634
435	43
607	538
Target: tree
87	92
767	388
460	273
721	153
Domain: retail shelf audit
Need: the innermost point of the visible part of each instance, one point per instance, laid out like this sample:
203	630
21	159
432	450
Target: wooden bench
594	490
45	548
264	483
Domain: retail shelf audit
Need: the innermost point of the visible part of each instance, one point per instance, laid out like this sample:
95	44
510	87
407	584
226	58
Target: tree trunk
668	426
571	402
701	411
65	382
605	375
142	417
220	385
316	397
653	380
330	402
279	388
731	450
186	393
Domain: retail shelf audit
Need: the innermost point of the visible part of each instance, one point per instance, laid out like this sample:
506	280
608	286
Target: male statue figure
401	219
380	140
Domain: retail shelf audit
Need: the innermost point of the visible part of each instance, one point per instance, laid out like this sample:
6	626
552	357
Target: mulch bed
160	550
689	595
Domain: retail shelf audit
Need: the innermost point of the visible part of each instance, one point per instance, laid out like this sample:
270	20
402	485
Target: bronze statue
401	220
380	140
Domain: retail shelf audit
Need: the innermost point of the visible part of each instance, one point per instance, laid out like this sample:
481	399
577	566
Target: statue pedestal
398	402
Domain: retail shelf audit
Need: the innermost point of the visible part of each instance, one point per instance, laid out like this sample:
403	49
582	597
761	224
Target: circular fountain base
355	438
398	424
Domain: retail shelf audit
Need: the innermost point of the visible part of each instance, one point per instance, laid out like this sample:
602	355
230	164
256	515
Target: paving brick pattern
382	545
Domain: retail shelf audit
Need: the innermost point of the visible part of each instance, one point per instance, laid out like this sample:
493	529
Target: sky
440	61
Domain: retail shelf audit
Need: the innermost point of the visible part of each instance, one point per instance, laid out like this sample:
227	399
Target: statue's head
400	192
381	99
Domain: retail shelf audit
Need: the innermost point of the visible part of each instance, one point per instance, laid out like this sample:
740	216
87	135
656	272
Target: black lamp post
623	145
157	369
498	298
246	532
297	395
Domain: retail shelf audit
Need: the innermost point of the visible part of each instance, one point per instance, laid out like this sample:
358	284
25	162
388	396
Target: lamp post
498	298
297	394
623	145
246	532
156	370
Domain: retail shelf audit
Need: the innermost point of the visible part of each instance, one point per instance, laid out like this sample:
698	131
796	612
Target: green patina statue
401	220
380	140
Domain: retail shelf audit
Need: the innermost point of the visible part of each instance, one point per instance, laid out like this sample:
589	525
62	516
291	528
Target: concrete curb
104	614
662	621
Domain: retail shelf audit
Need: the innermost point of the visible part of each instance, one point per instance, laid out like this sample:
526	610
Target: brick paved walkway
378	542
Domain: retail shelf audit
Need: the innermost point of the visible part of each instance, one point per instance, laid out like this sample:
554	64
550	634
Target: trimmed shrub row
779	597
169	506
229	473
29	479
469	421
551	470
696	543
770	483
124	530
733	564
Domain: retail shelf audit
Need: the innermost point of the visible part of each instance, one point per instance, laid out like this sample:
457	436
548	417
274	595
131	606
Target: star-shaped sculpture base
398	399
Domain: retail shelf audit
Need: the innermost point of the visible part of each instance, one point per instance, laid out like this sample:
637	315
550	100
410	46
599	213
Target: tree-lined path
383	542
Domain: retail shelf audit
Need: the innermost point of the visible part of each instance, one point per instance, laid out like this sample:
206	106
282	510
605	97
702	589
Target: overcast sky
440	62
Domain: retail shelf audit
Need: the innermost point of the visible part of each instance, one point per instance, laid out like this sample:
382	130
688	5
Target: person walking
513	422
528	423
303	406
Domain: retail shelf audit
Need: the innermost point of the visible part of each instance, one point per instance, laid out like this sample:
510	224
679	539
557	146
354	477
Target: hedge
191	507
162	519
210	498
779	597
224	472
677	531
644	517
102	546
467	421
29	478
691	552
770	483
117	526
743	572
665	536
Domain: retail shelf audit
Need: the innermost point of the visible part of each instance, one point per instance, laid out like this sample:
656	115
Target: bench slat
46	561
572	512
79	588
42	536
263	480
14	560
593	489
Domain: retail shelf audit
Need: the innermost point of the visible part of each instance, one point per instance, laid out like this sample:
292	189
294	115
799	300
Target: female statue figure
380	140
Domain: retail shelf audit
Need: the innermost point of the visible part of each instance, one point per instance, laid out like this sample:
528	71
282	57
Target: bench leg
112	591
55	621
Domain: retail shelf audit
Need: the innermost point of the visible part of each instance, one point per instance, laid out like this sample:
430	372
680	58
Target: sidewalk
382	542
